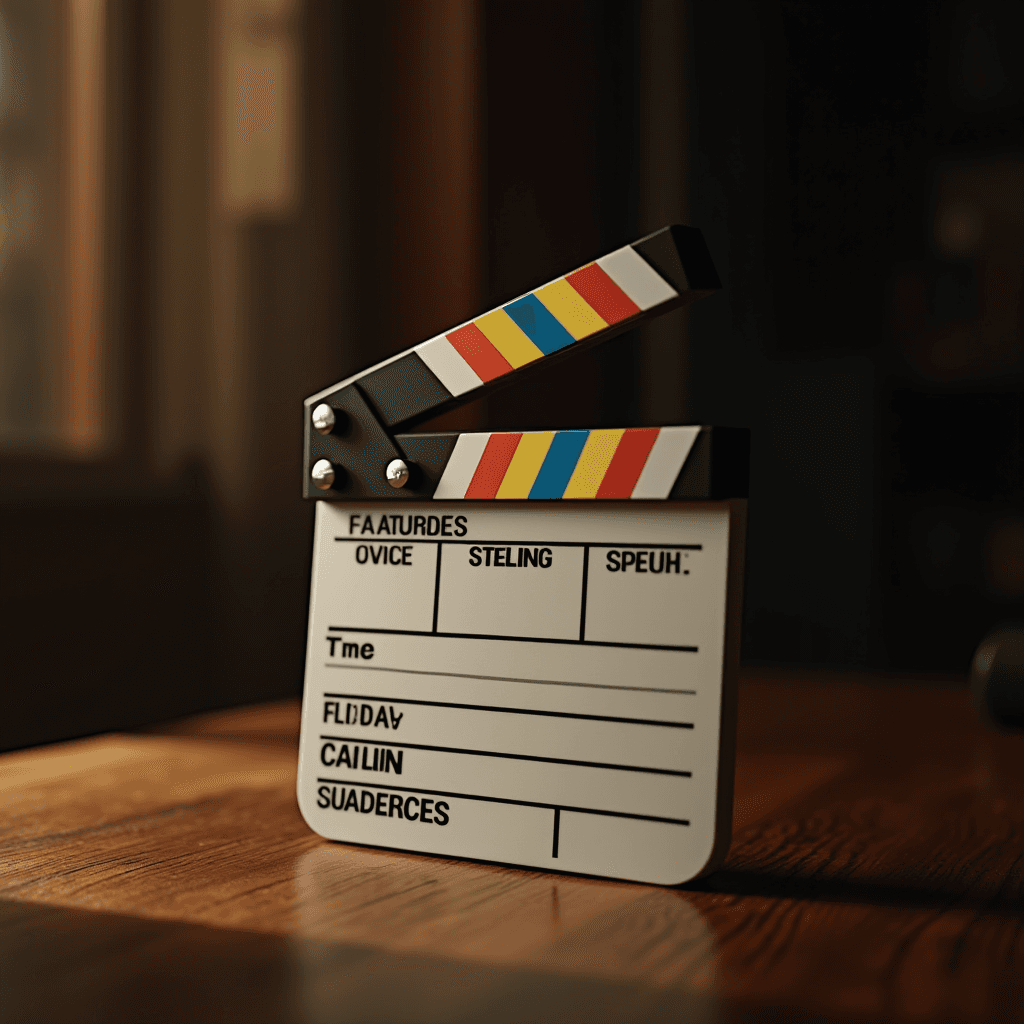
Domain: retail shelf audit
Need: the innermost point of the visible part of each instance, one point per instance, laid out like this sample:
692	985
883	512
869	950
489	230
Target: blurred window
51	237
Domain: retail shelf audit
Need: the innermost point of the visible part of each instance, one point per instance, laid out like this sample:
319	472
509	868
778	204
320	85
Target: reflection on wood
875	874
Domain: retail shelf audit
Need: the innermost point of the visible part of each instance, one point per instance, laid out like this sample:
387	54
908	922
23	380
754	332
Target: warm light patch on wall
84	366
258	81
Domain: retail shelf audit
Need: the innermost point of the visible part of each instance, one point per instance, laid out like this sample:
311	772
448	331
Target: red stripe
627	463
471	343
493	465
602	294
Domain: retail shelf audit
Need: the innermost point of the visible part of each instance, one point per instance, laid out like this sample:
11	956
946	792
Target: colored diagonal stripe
570	309
627	463
490	471
472	344
537	323
593	462
607	299
559	463
502	332
525	466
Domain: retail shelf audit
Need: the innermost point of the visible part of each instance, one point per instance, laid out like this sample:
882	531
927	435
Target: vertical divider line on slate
437	586
583	599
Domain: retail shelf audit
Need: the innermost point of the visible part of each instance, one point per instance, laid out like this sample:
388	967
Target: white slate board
550	686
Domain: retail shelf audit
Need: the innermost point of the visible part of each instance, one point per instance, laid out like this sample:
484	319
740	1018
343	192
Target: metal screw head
323	474
397	473
323	418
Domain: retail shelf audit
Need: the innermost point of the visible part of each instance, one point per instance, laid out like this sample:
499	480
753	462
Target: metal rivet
397	473
323	475
323	418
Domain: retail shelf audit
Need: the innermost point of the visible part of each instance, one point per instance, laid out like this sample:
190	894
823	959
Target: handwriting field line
507	754
504	800
507	679
510	711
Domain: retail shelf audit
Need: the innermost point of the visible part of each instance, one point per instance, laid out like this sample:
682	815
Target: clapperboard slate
523	645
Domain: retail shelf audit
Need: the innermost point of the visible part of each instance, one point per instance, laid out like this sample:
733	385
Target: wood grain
876	873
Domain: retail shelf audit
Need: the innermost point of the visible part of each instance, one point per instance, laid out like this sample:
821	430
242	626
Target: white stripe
458	474
665	461
447	365
636	277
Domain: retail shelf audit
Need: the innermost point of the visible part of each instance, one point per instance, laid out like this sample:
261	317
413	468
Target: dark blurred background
210	210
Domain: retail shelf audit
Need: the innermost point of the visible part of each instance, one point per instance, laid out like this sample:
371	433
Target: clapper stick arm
613	294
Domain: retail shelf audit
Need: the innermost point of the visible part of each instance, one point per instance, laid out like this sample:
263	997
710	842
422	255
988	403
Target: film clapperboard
523	646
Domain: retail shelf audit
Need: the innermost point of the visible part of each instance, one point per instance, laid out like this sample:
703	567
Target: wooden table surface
875	874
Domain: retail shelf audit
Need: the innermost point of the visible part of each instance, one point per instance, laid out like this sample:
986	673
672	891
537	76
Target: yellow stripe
525	464
570	309
504	334
593	463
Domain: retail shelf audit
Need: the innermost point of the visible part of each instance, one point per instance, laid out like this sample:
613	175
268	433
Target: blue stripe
534	319
559	463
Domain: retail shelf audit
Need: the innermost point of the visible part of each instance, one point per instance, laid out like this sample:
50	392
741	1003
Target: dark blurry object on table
997	676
